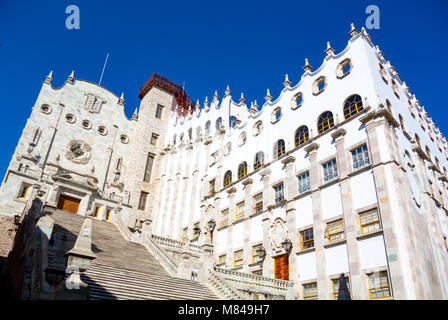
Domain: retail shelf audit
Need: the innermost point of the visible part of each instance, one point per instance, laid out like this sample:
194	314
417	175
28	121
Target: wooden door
281	267
68	204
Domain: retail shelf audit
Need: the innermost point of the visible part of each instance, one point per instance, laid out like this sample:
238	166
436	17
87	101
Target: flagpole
104	67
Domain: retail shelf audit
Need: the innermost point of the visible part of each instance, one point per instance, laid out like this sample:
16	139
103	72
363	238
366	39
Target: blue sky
248	45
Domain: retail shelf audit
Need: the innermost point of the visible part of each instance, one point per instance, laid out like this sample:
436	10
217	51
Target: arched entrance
69	204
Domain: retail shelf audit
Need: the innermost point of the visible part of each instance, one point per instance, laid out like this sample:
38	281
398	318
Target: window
360	157
335	286
154	138
335	231
259	160
352	106
383	73
159	111
23	192
148	168
242	139
278	193
108	211
343	68
207	127
211	186
319	85
379	287
255	257
227	178
95	213
196	231
218	123
238	258
297	101
222	259
232	121
242	170
240	210
276	115
417	139
306	239
279	149
401	122
330	170
325	122
258	203
389	106
184	234
142	202
369	221
224	217
395	89
301	136
258	272
304	182
258	126
310	291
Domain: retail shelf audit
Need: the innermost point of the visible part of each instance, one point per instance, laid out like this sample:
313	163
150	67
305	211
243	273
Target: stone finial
307	66
135	115
71	77
242	98
255	104
253	107
268	96
227	92
121	99
329	51
380	53
364	32
286	83
337	121
215	96
353	32
311	134
49	78
206	102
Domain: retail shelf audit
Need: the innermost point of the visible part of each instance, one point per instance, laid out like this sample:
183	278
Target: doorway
69	204
281	267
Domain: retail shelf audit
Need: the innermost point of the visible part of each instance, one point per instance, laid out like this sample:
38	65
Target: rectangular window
360	157
379	287
258	203
142	202
97	210
335	231
335	286
222	259
258	272
23	191
304	182
196	231
306	239
108	211
240	210
310	291
330	170
159	112
224	217
369	221
184	234
255	257
238	258
154	138
279	193
148	168
212	186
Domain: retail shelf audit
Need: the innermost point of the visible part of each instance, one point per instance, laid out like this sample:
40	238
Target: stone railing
222	288
176	245
269	287
165	260
124	230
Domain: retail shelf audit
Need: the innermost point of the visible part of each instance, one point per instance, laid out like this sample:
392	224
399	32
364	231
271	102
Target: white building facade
343	173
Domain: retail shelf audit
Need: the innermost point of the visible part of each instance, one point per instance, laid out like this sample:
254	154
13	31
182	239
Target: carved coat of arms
93	103
78	151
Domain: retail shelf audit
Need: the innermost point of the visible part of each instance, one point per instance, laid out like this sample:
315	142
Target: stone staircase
122	270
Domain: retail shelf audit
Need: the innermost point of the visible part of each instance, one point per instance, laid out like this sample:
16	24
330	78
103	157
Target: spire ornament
268	96
353	32
286	83
215	96
242	98
71	77
135	115
307	66
49	78
206	103
121	99
227	92
329	51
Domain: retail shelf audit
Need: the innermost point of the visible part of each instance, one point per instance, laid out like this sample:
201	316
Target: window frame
365	152
327	178
380	287
278	199
325	124
313	296
237	261
301	136
300	184
159	111
257	205
143	195
335	291
370	223
238	214
304	244
347	106
336	231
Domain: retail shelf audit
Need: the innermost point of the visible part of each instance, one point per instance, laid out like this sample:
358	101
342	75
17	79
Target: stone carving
78	152
277	234
93	103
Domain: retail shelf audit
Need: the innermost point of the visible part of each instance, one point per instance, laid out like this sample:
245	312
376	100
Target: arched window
207	127
174	139
227	178
242	169
428	152
218	123
259	160
232	121
325	122
417	139
401	122
352	106
389	105
279	148
301	136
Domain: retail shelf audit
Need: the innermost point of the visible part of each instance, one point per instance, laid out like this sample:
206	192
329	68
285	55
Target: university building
342	173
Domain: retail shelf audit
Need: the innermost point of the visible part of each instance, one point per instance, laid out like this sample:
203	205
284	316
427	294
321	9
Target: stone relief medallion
78	152
277	234
93	103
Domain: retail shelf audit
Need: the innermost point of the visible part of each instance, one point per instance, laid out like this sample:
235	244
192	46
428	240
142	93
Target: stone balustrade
176	245
165	260
222	288
270	287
